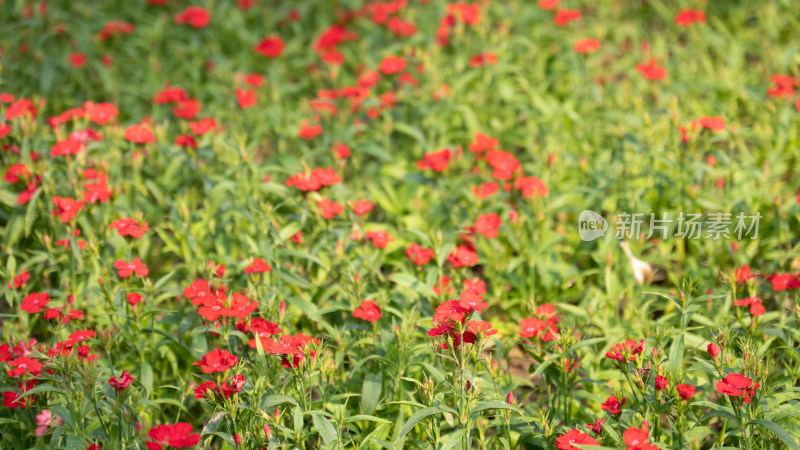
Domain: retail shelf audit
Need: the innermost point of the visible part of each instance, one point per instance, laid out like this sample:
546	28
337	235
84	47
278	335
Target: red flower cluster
543	326
368	310
217	360
737	385
177	436
314	180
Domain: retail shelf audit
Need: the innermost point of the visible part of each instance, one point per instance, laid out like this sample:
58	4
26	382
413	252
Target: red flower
472	301
470	14
380	239
77	59
392	65
564	16
783	86
185	140
186	109
122	383
246	98
613	405
756	308
203	126
482	59
258	266
341	150
450	310
688	17
125	269
195	16
736	385
418	254
263	328
535	327
480	327
636	438
485	190
597	426
586	45
463	256
96	192
783	281
178	436
20	280
368	310
100	113
217	360
66	208
548	4
290	345
236	385
241	306
129	227
33	302
24	365
308	131
713	350
20	108
531	186
133	298
198	292
565	441
712	123
440	329
139	134
254	80
312	181
651	70
661	383
329	208
15	172
12	399
476	284
503	163
630	348
361	207
436	161
443	285
686	391
743	274
483	143
271	47
487	225
65	147
170	95
202	391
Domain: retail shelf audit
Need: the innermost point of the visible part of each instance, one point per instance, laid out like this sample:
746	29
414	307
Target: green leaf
414	419
550	360
325	429
778	431
270	401
371	392
407	281
214	422
146	377
365	417
585	343
452	439
494	404
676	356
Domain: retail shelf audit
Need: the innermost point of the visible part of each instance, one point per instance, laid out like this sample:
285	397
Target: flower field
319	224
